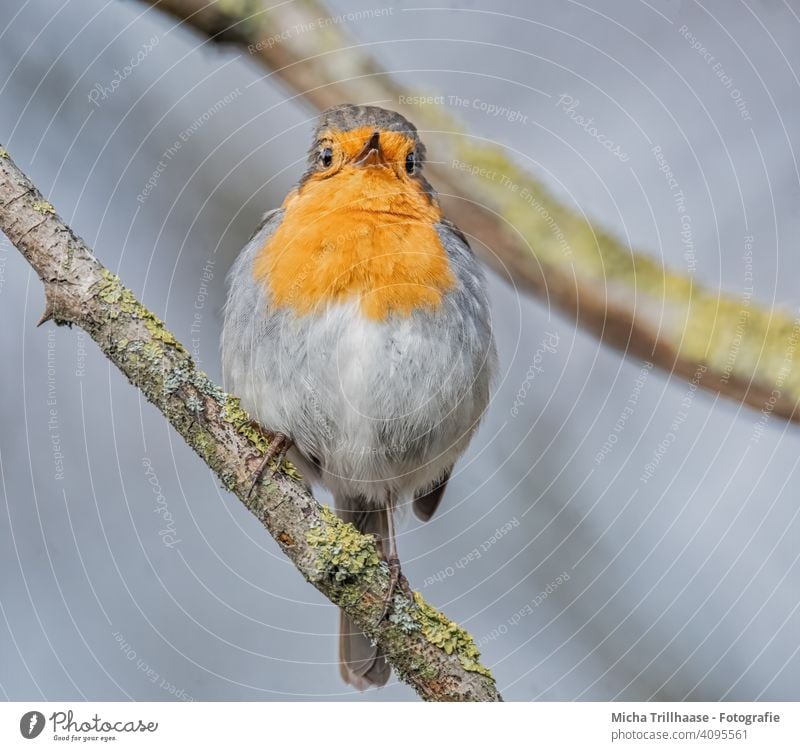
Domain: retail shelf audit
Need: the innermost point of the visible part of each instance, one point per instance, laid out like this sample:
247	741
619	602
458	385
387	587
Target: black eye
411	163
326	156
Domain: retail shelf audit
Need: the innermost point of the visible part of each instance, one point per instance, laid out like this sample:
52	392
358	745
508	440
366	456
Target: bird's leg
278	446
396	577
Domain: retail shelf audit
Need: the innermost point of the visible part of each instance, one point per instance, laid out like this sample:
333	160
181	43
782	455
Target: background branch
428	651
627	299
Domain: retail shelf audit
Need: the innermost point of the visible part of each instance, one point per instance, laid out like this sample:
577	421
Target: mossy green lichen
194	404
257	437
239	9
202	442
109	288
228	480
453	639
68	256
121	300
425	671
233	414
178	376
151	352
3	153
160	332
290	470
402	615
206	386
245	19
343	553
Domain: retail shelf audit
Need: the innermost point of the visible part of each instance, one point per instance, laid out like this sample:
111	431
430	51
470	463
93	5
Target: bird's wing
452	227
248	316
267	223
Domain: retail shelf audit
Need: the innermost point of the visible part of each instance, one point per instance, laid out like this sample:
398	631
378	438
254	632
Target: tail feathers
361	663
426	503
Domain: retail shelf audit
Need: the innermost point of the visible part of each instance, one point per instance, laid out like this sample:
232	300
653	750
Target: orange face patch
363	233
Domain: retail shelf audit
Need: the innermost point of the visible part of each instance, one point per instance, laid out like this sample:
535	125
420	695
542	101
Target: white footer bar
389	726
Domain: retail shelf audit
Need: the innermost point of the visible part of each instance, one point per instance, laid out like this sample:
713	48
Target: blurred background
127	573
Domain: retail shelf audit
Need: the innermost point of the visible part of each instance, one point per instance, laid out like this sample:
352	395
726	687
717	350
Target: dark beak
371	155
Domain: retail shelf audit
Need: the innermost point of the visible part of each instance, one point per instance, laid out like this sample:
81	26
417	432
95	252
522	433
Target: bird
357	330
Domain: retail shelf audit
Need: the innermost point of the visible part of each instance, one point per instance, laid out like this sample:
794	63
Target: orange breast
361	234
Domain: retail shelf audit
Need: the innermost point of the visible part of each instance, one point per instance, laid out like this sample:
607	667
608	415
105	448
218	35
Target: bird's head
361	144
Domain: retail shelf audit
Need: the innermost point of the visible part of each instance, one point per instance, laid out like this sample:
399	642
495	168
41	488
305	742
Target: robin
357	328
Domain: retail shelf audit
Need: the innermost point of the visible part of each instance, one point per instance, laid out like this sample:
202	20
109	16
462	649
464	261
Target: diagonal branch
428	651
723	343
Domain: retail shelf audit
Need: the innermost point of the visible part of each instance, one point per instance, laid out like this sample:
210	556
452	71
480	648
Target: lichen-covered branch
427	650
626	298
